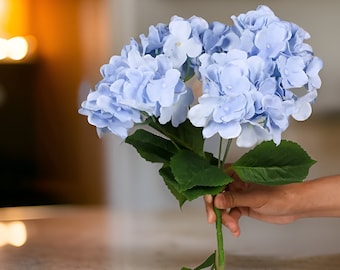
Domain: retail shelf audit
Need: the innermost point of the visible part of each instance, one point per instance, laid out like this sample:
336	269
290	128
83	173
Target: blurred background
49	154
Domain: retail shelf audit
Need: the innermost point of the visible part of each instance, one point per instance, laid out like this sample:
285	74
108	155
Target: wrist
315	198
299	199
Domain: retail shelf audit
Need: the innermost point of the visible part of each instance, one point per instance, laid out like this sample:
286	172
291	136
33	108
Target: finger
231	222
231	199
237	212
225	200
209	208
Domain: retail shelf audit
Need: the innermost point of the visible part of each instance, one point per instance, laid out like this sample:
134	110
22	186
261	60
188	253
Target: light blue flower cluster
255	75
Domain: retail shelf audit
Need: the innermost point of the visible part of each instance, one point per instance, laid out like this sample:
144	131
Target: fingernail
208	198
237	234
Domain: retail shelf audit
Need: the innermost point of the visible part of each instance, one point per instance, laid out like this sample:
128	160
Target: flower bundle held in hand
255	75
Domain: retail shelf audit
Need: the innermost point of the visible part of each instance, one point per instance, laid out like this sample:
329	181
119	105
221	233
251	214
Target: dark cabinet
18	168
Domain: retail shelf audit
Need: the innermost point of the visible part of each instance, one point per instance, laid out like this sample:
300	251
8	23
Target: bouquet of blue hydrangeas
255	76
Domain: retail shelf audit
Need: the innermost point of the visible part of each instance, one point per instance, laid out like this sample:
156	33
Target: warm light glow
15	48
3	234
3	48
3	15
2	7
14	24
13	233
14	17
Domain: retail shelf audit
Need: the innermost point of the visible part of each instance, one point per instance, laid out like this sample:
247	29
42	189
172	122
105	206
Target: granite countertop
69	237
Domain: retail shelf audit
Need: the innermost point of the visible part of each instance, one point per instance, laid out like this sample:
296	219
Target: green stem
219	235
161	129
219	164
220	259
226	151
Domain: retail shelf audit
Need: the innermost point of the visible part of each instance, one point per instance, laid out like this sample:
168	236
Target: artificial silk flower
254	76
258	68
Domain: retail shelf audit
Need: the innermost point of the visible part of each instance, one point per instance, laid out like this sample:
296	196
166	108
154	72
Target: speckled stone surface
84	238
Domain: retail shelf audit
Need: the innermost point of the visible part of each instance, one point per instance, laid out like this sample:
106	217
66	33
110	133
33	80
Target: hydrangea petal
252	134
314	81
200	114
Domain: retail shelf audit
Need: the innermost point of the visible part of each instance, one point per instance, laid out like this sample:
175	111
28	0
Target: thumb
231	199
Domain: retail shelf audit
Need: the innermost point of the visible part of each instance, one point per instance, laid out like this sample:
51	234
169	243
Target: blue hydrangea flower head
256	74
108	115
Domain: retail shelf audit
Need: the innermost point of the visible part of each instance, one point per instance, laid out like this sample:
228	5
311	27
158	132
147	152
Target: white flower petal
180	29
303	111
251	135
200	114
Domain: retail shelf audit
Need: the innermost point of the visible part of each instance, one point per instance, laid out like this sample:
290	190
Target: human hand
266	203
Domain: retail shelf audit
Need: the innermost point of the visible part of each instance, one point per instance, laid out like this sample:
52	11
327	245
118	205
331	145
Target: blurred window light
15	48
13	233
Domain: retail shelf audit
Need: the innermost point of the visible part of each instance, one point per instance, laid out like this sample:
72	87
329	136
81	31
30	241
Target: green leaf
151	147
191	170
185	135
172	185
274	165
187	195
211	159
209	262
198	191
